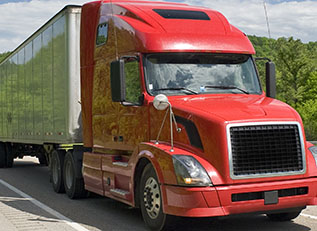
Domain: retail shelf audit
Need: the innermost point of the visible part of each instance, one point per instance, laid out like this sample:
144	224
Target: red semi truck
157	105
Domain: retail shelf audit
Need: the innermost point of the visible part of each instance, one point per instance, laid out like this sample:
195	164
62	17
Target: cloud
286	18
19	20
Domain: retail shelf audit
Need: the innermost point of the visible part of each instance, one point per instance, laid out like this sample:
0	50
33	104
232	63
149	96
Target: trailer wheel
151	200
2	155
283	216
9	156
57	171
74	186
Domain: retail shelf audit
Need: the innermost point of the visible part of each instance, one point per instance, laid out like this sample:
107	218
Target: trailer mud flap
271	197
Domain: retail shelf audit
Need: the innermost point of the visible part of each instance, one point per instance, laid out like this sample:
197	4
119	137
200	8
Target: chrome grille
265	149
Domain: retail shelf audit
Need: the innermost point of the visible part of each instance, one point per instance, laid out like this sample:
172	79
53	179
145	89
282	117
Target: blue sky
20	18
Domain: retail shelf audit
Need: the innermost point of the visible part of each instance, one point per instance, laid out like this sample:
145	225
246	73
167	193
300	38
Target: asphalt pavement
28	203
21	212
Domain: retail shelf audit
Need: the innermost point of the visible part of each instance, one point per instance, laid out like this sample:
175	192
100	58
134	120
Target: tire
9	156
3	155
151	200
73	185
42	159
283	216
56	171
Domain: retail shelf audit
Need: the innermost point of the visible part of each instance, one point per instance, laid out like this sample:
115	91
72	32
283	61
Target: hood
235	108
205	119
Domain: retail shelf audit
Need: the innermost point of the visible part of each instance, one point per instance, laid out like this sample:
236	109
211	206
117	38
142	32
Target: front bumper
218	200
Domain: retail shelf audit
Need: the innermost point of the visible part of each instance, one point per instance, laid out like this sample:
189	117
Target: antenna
267	19
114	31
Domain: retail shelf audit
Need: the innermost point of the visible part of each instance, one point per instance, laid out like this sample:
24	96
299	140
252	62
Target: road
99	213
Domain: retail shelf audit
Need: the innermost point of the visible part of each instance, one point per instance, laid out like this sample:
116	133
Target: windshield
188	73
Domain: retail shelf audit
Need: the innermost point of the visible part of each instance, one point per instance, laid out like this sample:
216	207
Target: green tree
296	73
264	49
308	111
294	67
3	55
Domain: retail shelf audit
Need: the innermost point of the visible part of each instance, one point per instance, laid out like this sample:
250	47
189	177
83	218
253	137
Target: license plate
271	197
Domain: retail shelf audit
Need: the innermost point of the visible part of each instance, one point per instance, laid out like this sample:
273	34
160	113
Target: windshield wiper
176	89
228	87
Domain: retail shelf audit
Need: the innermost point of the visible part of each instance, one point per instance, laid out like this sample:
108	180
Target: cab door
133	114
119	124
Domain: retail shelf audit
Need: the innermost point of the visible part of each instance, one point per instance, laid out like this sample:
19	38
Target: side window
132	81
102	34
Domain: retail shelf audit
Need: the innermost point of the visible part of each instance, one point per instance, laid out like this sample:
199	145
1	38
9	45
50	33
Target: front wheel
283	216
151	200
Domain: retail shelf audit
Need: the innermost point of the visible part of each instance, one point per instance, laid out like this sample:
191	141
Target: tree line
296	75
3	55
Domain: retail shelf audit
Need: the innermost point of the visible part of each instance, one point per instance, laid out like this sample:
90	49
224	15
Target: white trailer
40	90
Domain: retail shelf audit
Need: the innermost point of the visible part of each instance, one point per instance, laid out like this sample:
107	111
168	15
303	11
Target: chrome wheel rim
152	198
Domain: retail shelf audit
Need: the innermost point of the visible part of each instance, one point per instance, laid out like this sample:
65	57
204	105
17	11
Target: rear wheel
283	216
9	155
74	186
6	155
151	200
57	171
2	155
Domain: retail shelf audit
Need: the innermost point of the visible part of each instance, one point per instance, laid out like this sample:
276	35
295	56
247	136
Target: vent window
102	34
182	14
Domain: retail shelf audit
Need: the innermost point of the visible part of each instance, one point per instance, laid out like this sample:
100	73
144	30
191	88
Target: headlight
189	171
313	150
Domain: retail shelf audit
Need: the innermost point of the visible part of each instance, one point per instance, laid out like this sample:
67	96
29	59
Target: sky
296	18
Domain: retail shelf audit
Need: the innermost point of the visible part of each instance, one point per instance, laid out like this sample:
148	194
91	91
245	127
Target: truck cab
176	122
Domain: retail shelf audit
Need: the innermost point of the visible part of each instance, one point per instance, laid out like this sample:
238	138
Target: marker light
188	180
190	172
313	150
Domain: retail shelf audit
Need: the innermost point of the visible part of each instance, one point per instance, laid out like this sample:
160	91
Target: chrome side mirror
161	103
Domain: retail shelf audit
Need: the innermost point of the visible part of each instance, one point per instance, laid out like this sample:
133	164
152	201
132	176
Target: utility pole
267	19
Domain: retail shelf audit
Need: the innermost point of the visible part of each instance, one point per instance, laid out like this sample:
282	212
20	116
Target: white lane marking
309	216
56	214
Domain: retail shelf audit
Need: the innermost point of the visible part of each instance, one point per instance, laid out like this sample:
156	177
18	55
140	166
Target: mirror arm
262	59
270	77
163	122
160	103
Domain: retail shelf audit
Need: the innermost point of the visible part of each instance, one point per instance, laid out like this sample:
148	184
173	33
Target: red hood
234	108
211	114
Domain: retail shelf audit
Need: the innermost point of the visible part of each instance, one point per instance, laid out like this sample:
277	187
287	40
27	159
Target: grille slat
265	149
